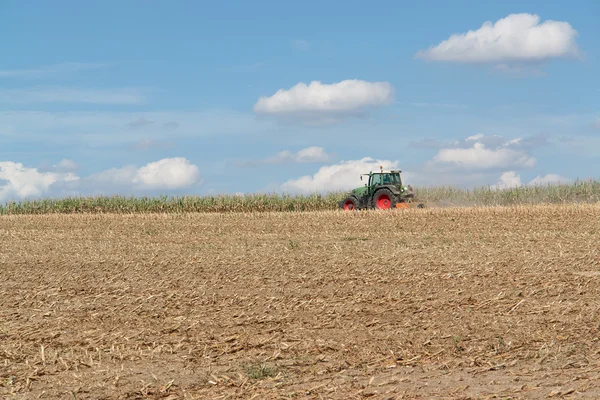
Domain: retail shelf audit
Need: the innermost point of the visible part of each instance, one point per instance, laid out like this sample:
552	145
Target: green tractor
383	190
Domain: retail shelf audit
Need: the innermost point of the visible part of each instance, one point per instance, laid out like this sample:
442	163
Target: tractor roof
393	171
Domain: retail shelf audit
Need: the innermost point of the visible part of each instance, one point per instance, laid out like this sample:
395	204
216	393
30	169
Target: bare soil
434	303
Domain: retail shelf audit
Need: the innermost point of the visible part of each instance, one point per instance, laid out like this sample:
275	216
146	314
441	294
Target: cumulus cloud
479	157
475	160
309	155
525	143
344	175
549	179
472	161
515	38
479	152
317	99
168	173
19	182
510	179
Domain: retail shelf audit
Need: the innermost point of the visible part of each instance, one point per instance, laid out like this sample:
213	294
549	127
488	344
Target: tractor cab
382	178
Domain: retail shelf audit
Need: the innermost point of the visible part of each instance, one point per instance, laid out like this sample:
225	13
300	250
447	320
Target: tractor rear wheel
383	199
350	203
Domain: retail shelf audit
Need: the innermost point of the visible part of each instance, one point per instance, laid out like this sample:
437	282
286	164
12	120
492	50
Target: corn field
577	192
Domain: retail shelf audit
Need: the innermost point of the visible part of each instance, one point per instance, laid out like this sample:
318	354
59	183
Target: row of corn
576	192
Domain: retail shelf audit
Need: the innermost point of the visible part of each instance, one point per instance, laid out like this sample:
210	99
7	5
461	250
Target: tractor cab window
375	180
391	179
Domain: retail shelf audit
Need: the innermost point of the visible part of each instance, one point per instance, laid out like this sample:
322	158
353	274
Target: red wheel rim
383	201
348	205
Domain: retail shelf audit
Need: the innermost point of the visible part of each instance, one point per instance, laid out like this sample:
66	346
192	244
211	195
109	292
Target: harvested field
434	303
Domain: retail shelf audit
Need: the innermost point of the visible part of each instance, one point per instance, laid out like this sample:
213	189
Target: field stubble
445	303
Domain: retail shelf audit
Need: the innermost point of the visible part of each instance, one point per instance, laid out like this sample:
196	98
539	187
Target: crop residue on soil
454	303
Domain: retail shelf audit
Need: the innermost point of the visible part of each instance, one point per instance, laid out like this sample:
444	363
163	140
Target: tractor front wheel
350	203
384	199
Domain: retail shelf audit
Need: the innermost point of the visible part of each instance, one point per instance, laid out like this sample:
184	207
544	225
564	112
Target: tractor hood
404	190
359	191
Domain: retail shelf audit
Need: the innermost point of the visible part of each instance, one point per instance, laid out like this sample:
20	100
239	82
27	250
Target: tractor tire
383	199
350	203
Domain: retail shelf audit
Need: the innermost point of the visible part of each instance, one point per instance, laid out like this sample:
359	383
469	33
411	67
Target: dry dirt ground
437	303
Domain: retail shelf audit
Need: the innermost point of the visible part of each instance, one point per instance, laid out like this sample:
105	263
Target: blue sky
158	97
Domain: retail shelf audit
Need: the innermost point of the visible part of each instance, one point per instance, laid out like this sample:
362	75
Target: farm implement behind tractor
383	190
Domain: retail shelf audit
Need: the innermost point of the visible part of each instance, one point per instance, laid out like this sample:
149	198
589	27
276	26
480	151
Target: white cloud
20	182
549	179
472	161
475	137
514	141
510	179
112	178
479	152
309	155
517	37
317	99
475	160
57	94
312	154
341	176
168	173
492	142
